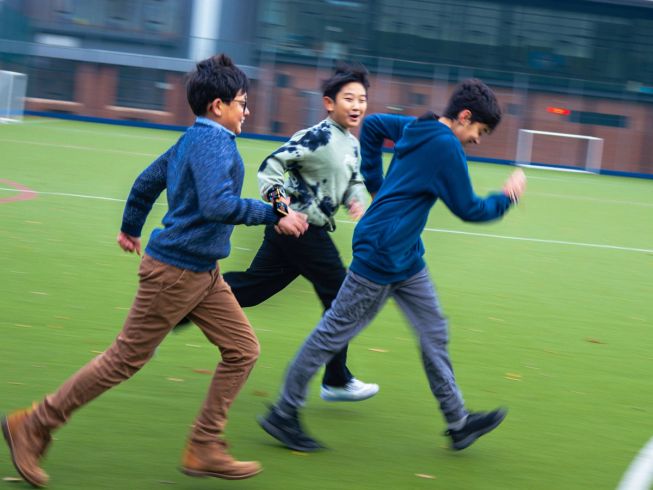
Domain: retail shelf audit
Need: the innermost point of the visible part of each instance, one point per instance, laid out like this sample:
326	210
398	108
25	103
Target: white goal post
525	137
13	87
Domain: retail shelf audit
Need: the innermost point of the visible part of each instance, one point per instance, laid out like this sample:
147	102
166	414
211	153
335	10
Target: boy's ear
329	103
215	107
465	116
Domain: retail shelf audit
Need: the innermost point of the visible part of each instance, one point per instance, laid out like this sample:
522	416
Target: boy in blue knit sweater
178	277
428	164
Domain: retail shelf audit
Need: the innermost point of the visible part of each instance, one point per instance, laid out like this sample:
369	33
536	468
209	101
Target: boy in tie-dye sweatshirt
315	172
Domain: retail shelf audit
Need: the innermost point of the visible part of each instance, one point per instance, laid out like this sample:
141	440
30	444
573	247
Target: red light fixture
560	111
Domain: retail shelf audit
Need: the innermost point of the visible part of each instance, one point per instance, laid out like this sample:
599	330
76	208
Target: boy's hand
293	224
129	243
356	210
515	185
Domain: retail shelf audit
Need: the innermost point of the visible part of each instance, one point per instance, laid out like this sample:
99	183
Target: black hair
474	95
214	78
344	74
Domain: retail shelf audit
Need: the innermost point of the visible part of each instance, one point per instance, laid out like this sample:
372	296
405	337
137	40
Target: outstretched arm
454	187
218	195
272	171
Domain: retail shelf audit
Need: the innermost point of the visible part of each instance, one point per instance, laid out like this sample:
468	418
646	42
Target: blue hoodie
428	164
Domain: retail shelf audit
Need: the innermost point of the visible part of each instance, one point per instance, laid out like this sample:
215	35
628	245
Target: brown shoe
27	444
212	459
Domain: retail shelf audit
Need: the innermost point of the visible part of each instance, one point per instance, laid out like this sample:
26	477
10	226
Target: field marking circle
24	193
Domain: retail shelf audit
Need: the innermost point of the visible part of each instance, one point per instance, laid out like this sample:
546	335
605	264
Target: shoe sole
205	474
327	398
336	398
7	435
469	440
279	436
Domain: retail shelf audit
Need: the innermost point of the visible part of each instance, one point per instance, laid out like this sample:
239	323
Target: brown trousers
166	294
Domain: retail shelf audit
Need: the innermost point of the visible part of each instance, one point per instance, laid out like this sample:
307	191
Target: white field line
640	473
431	230
526	239
590	199
242	143
52	124
151	156
66	194
75	147
541	240
554	169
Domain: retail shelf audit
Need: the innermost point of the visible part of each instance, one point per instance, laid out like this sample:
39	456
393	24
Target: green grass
554	325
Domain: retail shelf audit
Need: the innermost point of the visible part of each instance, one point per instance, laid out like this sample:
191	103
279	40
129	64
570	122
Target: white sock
459	424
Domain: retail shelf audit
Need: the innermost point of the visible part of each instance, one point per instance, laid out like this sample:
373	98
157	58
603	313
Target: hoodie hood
420	133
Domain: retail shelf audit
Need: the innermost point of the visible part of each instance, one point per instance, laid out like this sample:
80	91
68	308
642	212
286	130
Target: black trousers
279	260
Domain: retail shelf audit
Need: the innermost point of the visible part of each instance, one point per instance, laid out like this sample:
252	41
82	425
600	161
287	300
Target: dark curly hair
474	95
214	78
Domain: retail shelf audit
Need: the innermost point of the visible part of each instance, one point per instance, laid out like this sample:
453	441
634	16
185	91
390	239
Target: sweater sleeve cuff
373	185
270	216
131	230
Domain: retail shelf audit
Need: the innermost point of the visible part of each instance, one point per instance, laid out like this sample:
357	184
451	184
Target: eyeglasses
243	104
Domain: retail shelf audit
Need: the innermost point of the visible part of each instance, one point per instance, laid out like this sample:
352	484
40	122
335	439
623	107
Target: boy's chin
353	123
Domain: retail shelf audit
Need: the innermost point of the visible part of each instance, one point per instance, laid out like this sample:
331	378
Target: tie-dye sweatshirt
322	164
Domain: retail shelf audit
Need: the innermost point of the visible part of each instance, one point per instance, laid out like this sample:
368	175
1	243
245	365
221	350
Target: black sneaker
476	425
288	431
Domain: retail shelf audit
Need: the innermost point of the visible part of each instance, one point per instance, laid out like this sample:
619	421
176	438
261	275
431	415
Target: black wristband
276	196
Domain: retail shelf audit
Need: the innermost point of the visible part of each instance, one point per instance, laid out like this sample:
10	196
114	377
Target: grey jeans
358	302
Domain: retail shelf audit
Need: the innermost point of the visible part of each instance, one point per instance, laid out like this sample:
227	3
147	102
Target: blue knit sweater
203	177
428	164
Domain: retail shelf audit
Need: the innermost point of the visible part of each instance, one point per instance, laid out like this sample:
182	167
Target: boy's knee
243	354
255	351
439	335
123	363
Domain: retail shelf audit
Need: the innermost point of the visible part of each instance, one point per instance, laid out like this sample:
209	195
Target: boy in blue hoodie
428	164
178	277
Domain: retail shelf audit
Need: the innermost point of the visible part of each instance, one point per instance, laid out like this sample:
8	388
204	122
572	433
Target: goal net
13	87
592	150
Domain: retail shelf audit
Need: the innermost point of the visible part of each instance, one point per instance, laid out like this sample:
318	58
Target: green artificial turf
550	309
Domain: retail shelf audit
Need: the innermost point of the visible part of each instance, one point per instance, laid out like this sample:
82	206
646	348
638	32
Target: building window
417	99
120	13
51	78
157	16
599	119
276	127
64	9
141	88
282	80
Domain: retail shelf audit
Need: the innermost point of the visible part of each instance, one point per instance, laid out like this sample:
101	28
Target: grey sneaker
288	431
477	424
